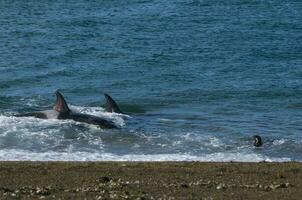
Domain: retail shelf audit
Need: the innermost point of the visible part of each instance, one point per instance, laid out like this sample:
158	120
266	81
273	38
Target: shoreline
150	180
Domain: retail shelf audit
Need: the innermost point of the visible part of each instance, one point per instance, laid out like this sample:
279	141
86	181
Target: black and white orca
62	111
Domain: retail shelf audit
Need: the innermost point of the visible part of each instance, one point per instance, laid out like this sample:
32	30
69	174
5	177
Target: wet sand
150	180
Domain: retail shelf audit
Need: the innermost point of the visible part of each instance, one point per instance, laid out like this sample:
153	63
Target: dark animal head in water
257	141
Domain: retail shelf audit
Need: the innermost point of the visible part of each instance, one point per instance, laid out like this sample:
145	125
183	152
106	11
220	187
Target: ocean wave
21	155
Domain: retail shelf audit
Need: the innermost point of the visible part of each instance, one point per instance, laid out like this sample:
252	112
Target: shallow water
199	79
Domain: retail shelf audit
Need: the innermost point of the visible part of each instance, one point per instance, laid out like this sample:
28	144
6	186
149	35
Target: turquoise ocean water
199	78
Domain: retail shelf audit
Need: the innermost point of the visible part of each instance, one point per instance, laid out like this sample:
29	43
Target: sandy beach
150	180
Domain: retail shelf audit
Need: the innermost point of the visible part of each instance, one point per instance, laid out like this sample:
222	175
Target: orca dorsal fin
61	105
111	105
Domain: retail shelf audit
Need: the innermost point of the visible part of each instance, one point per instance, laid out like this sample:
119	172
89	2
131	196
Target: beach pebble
184	185
105	179
282	185
221	186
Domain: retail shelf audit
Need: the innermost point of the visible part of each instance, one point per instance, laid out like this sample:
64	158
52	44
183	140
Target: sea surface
196	79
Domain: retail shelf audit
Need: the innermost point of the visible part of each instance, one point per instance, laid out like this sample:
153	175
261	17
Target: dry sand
150	180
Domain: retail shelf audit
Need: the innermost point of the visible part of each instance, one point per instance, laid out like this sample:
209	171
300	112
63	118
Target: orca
62	111
111	105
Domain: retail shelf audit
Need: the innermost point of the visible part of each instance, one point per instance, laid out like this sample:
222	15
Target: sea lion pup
62	111
257	141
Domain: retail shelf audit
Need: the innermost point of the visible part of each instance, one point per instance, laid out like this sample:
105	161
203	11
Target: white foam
30	126
279	142
21	155
170	120
208	141
117	118
45	134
